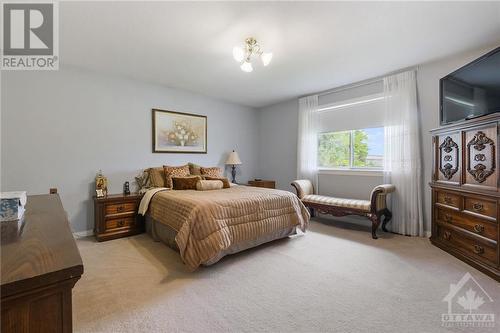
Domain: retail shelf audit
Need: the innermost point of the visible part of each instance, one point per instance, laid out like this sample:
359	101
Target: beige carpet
333	279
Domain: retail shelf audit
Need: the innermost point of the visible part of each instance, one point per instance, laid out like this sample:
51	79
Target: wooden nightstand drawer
120	222
116	208
116	216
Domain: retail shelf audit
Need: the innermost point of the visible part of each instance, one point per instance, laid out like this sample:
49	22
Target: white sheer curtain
308	139
402	160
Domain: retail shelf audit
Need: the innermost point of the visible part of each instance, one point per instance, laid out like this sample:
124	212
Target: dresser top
44	252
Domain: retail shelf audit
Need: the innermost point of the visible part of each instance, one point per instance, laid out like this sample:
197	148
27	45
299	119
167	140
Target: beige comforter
208	222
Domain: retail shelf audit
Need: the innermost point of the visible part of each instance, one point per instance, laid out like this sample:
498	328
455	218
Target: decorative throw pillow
185	183
173	171
157	177
224	180
194	169
211	172
207	185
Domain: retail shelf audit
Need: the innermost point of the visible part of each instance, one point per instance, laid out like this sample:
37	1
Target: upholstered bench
373	209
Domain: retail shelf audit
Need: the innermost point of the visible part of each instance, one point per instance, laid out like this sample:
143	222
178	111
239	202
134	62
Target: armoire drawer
448	199
468	244
475	225
481	207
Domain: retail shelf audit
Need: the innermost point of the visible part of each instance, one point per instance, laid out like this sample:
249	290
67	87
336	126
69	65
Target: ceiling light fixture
244	55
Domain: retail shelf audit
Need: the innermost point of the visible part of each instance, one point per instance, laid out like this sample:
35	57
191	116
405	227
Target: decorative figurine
126	188
101	185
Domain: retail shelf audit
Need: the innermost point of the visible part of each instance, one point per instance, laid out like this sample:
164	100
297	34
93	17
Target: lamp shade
233	159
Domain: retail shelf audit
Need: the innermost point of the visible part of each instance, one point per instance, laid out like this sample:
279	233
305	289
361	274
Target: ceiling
316	46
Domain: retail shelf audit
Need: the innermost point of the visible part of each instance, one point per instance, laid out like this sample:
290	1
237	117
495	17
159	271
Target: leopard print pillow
215	172
173	171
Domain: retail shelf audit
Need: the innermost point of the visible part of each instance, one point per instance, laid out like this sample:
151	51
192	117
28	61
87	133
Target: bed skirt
163	233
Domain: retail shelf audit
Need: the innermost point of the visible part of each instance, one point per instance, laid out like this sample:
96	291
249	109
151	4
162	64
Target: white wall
428	89
279	161
58	128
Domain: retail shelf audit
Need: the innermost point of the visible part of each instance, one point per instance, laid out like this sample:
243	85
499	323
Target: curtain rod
362	83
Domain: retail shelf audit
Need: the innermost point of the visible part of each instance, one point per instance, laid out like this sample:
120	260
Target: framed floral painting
176	132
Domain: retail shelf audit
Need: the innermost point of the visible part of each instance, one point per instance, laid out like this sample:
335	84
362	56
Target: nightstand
116	216
262	183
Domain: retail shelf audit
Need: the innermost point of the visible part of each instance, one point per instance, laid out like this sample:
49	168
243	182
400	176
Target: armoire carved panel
481	157
448	159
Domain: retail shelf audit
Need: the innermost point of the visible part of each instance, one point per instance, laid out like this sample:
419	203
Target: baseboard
85	233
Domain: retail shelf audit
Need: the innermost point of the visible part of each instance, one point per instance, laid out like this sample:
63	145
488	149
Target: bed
205	226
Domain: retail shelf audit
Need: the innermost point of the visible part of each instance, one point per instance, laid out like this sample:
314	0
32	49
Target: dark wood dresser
262	183
116	216
40	266
465	192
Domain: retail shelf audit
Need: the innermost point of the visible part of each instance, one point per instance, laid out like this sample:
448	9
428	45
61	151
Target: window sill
351	172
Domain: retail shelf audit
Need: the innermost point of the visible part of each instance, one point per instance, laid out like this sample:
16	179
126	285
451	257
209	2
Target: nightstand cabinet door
116	216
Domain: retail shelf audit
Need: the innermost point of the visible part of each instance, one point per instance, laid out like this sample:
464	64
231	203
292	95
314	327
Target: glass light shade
266	58
238	54
246	67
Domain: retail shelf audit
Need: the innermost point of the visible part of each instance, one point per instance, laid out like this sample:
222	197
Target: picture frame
178	132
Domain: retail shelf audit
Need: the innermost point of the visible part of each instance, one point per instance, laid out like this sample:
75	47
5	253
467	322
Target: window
354	149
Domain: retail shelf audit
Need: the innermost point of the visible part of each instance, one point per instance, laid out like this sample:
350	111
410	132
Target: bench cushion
337	202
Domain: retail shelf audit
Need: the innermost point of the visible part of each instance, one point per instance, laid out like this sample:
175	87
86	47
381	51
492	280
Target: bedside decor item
101	185
244	55
126	188
176	132
233	159
116	216
12	205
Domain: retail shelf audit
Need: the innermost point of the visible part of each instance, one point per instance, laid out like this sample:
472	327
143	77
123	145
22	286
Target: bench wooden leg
375	218
387	217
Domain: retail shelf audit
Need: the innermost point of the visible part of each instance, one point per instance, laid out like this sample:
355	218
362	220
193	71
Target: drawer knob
448	200
120	208
448	218
447	235
477	206
478	249
479	228
121	223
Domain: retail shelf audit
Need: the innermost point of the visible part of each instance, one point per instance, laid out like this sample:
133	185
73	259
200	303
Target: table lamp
234	160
